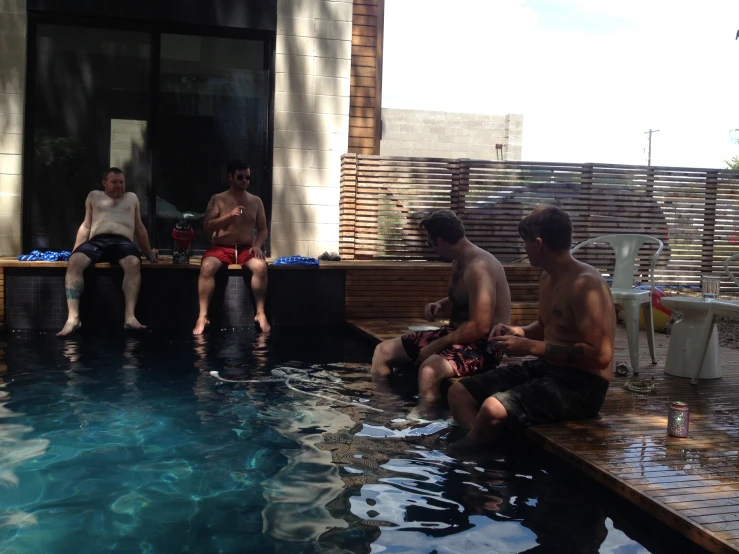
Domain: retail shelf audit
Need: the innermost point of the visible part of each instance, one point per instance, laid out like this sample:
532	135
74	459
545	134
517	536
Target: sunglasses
241	177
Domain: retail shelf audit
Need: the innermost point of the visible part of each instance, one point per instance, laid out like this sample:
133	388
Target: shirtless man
478	299
112	220
230	221
572	339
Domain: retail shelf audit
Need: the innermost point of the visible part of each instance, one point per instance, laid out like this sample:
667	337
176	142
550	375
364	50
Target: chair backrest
726	268
626	248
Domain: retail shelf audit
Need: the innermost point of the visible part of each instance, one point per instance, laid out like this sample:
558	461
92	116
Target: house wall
311	123
451	135
366	97
12	84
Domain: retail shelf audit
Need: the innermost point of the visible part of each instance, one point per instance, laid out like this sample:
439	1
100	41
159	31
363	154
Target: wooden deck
690	484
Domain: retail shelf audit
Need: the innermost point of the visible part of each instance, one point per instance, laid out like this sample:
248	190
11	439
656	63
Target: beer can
678	420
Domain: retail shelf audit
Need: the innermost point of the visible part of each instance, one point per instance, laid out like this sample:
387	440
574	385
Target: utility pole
649	157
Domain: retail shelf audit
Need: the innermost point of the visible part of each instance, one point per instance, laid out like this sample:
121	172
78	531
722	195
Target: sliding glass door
87	82
212	107
169	109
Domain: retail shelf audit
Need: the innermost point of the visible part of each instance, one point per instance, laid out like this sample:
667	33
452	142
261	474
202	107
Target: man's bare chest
457	288
109	207
555	309
248	205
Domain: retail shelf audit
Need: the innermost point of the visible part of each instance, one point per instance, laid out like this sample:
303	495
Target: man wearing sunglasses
230	221
478	299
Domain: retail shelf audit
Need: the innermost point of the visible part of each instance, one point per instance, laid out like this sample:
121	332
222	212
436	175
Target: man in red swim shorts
230	221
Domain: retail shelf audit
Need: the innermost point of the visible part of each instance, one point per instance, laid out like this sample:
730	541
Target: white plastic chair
626	248
728	271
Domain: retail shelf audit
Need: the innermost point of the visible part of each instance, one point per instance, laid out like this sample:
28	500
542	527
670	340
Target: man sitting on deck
572	339
230	221
479	298
112	220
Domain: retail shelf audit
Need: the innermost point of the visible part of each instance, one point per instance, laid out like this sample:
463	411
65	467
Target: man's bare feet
133	325
200	325
70	326
261	318
465	446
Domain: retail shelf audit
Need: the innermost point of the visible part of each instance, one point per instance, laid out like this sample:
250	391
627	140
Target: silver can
678	420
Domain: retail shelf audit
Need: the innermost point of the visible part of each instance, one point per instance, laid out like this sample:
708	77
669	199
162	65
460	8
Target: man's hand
256	252
153	256
431	311
238	211
512	345
501	329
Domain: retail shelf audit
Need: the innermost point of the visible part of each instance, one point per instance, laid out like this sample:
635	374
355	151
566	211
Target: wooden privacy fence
694	211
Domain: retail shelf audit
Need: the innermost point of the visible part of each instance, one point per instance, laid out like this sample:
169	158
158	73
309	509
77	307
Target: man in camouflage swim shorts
478	299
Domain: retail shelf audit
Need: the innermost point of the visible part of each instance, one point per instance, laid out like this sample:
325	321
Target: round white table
693	350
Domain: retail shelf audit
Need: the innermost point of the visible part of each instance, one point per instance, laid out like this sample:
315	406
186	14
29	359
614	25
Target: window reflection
92	107
88	82
213	105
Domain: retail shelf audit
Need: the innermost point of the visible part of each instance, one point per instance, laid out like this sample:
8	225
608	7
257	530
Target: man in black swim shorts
112	220
572	341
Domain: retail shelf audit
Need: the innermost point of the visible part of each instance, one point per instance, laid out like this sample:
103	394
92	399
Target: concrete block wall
450	135
311	125
13	23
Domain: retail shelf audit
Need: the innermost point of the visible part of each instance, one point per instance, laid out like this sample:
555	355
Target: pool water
129	444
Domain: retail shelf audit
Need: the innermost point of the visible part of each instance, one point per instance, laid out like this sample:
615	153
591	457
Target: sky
589	76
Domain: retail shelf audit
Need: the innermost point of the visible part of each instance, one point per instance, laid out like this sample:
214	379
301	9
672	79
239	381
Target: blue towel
48	256
295	260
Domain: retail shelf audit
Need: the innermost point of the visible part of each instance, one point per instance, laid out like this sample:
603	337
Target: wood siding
365	122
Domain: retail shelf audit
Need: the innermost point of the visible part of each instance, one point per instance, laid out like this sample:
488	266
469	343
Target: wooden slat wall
393	293
693	210
404	291
366	79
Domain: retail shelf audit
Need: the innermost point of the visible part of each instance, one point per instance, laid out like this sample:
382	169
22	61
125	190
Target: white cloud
589	76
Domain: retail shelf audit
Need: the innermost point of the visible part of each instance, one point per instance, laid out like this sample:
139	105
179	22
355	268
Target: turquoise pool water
129	444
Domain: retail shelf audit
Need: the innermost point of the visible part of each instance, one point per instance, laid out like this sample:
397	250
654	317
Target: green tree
733	163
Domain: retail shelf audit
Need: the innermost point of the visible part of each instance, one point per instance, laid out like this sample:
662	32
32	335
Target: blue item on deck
295	260
48	256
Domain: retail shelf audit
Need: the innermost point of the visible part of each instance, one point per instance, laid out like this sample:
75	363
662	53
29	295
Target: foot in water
261	319
133	325
70	327
200	325
466	446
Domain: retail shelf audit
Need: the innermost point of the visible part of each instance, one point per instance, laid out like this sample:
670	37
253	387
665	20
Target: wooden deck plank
690	484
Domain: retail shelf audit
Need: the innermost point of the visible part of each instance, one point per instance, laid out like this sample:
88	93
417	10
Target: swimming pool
129	444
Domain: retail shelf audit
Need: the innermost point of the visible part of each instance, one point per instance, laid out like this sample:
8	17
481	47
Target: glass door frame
155	32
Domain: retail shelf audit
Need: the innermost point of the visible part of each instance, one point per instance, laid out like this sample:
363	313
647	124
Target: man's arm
214	221
442	308
446	306
141	234
533	331
83	233
261	225
481	289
